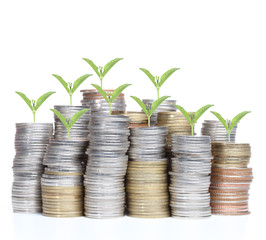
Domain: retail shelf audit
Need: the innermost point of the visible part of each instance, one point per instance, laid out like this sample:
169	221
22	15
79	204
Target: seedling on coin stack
110	97
193	117
72	87
33	104
150	108
228	124
69	122
102	71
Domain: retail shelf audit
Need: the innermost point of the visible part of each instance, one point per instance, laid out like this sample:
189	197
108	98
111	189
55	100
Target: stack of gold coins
230	178
137	119
146	180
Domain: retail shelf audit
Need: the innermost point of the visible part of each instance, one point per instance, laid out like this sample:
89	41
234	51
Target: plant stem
70	99
101	83
34	116
109	108
149	121
158	93
68	134
192	130
229	133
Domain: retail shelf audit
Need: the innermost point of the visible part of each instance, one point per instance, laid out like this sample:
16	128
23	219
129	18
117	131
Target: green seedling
193	117
228	124
159	81
33	104
109	97
150	108
72	87
102	71
69	122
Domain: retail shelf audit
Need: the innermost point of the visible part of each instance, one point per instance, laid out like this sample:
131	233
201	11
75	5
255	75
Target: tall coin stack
146	181
97	103
166	106
62	181
230	178
137	119
106	168
215	129
190	176
31	141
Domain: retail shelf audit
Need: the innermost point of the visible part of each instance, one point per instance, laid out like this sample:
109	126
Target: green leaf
94	67
77	116
237	118
101	91
118	90
25	98
200	112
141	104
150	76
80	80
42	98
157	103
166	75
185	113
109	65
61	117
61	80
221	119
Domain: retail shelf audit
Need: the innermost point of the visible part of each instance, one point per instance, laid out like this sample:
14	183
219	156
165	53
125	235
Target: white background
220	48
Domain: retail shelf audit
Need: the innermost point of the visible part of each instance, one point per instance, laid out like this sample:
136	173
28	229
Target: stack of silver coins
62	181
166	106
147	177
98	104
190	176
80	128
216	130
106	168
31	141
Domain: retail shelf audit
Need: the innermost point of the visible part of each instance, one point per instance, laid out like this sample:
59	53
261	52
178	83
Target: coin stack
79	129
31	141
166	106
137	119
146	181
97	103
62	181
106	168
216	130
230	178
190	176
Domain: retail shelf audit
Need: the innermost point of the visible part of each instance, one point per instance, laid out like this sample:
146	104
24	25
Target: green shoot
159	81
150	108
72	87
69	122
109	97
102	71
33	104
193	117
229	125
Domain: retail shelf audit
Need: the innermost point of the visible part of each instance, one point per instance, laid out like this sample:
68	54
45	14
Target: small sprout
159	81
33	104
100	71
191	117
109	97
72	87
150	108
69	122
228	124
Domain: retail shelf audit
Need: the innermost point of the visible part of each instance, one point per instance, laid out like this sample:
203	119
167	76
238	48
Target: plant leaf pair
100	71
159	81
71	87
34	105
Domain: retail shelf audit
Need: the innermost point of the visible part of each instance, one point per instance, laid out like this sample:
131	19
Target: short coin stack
106	168
230	178
137	119
190	176
79	129
62	181
215	129
30	142
166	106
146	181
97	103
